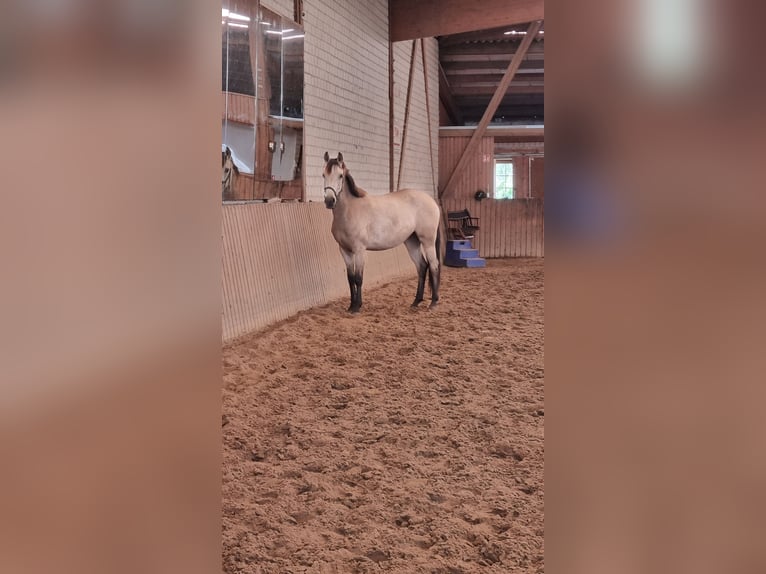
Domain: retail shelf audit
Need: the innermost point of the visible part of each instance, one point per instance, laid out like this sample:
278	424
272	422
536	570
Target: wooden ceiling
474	53
471	67
412	19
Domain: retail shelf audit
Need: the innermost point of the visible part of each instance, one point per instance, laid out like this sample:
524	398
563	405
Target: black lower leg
422	268
356	299
352	288
433	279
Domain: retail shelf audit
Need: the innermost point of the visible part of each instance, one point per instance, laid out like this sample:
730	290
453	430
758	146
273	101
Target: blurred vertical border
110	232
654	281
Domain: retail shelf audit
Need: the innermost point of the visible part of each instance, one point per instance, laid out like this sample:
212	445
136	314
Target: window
504	179
262	116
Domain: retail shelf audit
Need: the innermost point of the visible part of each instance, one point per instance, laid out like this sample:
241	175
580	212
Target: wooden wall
238	108
280	258
478	172
245	187
509	227
537	174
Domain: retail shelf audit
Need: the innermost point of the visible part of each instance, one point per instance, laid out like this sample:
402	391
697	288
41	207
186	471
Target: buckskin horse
363	222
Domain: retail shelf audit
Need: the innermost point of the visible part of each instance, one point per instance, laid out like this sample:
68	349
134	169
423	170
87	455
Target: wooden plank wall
537	173
478	171
509	227
241	108
280	258
245	187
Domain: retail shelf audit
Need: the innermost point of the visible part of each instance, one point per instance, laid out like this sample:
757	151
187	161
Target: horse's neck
342	204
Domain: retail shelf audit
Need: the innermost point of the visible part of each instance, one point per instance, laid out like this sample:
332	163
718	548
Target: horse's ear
326	157
340	157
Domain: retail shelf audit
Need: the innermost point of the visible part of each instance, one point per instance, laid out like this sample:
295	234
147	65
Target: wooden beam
390	109
527	114
483	79
479	52
406	114
493	104
496	34
428	115
298	12
508	100
488	88
445	95
470	68
533	133
425	18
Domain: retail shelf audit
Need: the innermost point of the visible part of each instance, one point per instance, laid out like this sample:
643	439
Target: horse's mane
355	191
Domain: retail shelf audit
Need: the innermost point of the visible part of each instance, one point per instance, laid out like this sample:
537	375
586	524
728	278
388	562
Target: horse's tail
439	244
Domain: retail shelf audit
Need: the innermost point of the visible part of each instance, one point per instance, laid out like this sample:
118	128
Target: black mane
355	191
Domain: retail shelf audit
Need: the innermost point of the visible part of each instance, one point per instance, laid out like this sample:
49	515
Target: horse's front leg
354	273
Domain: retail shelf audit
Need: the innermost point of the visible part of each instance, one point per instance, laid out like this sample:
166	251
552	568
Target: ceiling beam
488	88
481	52
474	101
497	34
472	114
491	108
445	95
480	79
468	69
532	133
412	19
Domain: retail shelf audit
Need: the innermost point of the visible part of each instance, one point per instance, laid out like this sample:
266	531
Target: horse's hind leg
413	248
434	271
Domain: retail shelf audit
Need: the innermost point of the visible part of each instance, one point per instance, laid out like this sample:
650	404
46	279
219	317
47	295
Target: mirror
262	122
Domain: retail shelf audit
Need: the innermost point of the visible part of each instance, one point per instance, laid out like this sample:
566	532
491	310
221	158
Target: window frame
505	160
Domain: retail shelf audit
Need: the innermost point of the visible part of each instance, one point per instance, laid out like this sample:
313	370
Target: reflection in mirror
238	134
291	105
263	104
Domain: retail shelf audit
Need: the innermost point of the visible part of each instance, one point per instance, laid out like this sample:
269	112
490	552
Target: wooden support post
406	114
390	109
443	223
428	111
298	11
492	107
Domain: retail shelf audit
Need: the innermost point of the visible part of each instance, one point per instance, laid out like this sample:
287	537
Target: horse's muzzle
329	201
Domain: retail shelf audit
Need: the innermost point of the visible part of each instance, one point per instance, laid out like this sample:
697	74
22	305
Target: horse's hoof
415	303
353	310
433	304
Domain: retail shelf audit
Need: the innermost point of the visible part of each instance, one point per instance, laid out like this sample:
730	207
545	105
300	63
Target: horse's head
334	175
229	171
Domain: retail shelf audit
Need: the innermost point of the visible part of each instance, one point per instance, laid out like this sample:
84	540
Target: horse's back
380	222
424	206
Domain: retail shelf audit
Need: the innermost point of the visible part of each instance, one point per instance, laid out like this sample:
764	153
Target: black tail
439	244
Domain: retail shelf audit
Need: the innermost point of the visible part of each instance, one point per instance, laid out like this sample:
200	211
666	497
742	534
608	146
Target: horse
363	222
229	172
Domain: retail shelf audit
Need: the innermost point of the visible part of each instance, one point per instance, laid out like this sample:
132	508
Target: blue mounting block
460	253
